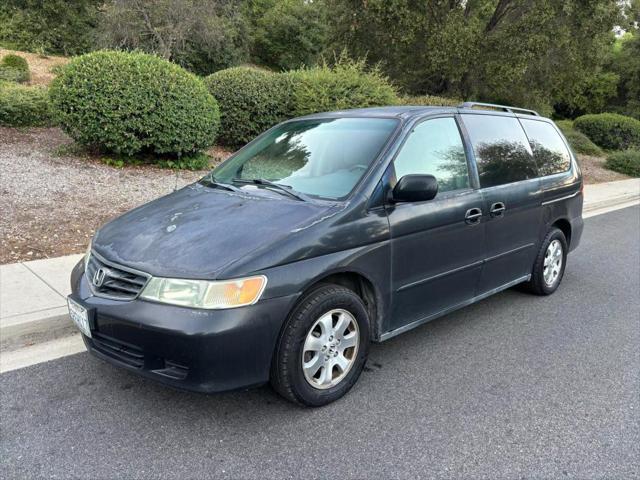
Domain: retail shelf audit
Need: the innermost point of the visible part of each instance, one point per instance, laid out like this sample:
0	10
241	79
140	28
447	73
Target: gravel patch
52	204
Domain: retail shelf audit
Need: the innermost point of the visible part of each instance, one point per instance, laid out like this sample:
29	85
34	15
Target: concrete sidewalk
609	194
33	303
33	294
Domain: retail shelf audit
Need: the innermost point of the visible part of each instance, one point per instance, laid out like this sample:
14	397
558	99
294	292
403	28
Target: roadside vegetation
132	103
24	106
578	140
14	68
626	162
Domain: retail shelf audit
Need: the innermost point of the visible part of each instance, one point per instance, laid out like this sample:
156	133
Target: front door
437	246
512	197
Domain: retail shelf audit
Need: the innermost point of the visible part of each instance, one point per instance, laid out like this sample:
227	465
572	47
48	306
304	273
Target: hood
197	231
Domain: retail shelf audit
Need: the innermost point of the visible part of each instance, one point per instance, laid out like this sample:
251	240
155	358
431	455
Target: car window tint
435	148
501	148
549	151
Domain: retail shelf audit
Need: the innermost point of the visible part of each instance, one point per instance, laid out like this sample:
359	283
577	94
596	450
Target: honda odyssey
324	234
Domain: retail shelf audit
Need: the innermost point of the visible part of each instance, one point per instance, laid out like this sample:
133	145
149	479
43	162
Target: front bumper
193	349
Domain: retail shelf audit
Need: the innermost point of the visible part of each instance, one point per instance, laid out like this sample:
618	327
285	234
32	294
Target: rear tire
549	265
322	348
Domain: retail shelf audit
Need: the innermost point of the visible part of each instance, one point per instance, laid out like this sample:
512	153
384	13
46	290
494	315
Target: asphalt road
516	386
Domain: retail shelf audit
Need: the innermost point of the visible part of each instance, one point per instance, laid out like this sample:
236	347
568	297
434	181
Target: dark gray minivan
324	234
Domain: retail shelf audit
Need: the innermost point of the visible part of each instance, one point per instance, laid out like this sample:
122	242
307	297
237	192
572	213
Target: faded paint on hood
197	231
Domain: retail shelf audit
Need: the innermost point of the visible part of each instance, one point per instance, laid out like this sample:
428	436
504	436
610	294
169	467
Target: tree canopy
552	55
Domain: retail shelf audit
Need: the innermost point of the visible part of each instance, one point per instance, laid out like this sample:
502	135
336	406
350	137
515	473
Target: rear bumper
200	350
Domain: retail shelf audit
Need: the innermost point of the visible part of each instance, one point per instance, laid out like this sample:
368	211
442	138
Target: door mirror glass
415	188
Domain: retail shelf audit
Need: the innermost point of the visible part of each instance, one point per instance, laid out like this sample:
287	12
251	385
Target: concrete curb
36	327
33	306
612	202
49	279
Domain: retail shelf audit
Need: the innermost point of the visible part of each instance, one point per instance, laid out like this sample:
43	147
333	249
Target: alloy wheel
330	349
552	263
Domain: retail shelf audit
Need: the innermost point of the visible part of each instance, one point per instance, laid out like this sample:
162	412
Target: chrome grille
110	280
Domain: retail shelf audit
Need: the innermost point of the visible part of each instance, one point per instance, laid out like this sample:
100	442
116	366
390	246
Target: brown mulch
51	203
594	171
39	66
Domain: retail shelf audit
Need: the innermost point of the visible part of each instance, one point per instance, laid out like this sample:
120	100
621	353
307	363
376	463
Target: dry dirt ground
40	66
593	170
51	204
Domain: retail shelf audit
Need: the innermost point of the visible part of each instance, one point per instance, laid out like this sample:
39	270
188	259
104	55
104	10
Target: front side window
549	150
435	147
501	148
322	158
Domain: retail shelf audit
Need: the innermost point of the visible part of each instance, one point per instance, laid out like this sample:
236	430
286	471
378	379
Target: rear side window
435	147
549	150
501	148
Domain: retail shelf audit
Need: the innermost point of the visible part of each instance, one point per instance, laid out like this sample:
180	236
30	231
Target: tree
290	34
516	51
203	35
625	62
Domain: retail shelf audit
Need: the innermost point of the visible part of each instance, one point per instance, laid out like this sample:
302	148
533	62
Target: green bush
251	101
578	141
347	84
429	101
24	106
610	130
51	26
627	162
131	103
14	69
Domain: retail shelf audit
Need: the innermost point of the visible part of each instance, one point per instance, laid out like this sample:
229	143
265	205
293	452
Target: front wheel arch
361	286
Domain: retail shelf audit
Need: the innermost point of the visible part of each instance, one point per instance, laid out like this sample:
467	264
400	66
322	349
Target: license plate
80	316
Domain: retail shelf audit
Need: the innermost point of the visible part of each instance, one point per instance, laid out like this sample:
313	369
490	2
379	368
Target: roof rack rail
505	108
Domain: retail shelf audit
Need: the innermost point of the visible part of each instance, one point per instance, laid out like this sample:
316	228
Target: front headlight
205	294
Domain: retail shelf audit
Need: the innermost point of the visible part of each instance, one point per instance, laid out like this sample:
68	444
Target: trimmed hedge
347	84
24	106
578	141
627	162
429	101
610	130
251	101
131	103
14	68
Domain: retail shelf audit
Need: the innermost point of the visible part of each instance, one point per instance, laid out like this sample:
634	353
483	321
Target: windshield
321	157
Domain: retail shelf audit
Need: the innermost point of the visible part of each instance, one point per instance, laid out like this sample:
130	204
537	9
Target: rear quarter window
549	150
501	149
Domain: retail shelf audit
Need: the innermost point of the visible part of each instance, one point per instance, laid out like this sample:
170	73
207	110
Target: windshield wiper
285	189
215	183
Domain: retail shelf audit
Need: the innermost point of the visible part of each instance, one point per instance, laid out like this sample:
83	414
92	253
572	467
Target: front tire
322	348
548	268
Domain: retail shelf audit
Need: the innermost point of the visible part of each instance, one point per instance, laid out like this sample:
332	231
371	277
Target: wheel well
565	226
362	287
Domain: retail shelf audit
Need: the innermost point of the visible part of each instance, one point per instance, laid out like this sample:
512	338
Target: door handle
473	216
497	209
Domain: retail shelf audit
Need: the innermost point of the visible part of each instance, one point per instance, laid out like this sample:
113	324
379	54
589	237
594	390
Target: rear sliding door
512	197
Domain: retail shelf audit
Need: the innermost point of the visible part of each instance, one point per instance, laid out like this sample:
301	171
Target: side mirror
414	188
